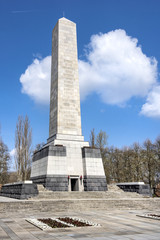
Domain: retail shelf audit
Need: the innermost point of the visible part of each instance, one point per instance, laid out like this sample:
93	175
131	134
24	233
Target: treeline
129	164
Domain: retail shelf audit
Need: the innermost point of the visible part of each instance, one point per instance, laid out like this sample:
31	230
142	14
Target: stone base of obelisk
67	163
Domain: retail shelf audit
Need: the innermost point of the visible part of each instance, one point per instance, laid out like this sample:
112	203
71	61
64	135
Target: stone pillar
65	116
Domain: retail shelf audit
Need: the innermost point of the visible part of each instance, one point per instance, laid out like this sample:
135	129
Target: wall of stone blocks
39	167
19	190
49	160
49	165
143	189
52	182
92	162
93	166
94	176
74	155
95	183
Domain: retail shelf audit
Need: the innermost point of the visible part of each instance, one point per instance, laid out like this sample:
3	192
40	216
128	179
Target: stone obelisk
65	117
66	162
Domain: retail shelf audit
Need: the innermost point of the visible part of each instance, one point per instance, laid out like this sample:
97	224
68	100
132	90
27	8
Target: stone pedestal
69	165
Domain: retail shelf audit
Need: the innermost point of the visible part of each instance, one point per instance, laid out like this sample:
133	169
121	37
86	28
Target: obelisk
66	162
65	116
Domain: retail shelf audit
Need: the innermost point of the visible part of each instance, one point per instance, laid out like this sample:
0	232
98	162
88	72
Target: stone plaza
116	214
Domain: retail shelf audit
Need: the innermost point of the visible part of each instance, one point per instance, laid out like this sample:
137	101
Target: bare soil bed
75	222
52	223
61	222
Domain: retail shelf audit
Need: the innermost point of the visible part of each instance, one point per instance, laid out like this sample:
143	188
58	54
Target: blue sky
119	55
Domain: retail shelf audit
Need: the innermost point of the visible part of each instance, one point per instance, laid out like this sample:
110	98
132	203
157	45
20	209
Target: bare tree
38	147
92	138
150	162
157	145
4	163
118	165
101	143
135	163
23	142
18	147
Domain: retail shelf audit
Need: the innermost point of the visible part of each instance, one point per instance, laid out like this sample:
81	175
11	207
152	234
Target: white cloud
36	80
13	152
152	106
115	68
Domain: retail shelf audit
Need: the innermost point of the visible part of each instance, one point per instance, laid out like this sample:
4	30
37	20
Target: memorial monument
66	162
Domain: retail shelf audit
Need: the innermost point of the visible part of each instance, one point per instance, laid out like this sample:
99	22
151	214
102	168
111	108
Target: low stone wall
138	187
19	190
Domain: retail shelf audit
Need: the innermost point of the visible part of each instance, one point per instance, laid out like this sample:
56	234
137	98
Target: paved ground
115	224
6	199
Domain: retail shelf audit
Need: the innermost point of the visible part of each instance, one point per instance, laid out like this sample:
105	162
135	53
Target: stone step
27	207
85	197
41	188
113	192
114	188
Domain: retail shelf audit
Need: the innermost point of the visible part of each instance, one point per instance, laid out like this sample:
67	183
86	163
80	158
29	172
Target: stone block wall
140	188
20	190
52	182
49	160
94	176
95	183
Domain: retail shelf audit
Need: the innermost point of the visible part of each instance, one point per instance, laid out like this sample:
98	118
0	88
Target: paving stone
115	224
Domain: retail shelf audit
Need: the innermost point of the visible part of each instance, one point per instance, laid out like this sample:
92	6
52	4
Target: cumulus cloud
114	67
12	152
152	106
36	80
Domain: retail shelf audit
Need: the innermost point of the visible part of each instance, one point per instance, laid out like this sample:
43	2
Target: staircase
113	192
48	201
